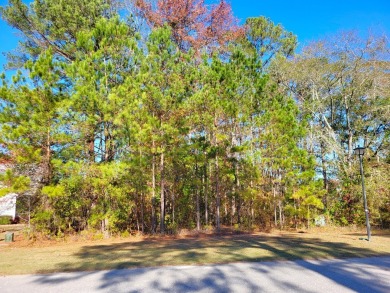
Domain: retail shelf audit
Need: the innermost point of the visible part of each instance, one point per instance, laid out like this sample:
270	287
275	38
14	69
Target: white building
7	202
8	205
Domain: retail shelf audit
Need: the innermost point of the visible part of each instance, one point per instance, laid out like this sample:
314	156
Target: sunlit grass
23	257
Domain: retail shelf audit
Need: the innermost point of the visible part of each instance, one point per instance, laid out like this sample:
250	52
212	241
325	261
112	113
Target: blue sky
311	19
308	19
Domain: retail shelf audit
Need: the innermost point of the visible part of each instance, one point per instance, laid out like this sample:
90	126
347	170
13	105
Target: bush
5	220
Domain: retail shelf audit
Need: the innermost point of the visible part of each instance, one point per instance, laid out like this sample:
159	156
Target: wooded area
154	116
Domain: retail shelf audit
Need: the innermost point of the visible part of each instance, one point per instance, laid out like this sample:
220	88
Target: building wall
8	205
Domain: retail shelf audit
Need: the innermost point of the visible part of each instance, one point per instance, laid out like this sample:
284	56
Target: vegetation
154	116
107	254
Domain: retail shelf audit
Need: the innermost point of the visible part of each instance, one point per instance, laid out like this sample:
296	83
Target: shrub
5	220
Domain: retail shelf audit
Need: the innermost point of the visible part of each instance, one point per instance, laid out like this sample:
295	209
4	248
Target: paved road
349	275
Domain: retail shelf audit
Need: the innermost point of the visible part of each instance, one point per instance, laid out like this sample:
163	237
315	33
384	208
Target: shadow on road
160	253
353	273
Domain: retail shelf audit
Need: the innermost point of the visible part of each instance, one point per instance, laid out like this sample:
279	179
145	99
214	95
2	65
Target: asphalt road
348	275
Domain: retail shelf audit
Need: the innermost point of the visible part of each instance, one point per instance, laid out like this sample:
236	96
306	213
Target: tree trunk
324	175
226	210
173	206
233	212
275	211
162	195
252	213
295	215
137	219
197	190
252	210
197	211
91	146
142	196
154	220
47	176
350	133
142	213
280	214
218	199
105	228
206	192
238	202
107	142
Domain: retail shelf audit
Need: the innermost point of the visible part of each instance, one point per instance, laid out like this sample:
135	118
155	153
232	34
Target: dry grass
22	257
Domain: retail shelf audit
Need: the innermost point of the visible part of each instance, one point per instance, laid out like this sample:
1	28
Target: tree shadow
353	274
160	254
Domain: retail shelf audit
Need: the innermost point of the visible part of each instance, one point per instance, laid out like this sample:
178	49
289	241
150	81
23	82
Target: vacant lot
22	257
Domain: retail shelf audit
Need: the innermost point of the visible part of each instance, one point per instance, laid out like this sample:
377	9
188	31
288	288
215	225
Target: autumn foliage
194	24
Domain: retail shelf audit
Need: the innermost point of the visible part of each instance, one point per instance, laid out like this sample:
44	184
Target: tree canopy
195	122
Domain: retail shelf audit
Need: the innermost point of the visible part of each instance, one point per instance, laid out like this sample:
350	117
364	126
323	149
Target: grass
24	257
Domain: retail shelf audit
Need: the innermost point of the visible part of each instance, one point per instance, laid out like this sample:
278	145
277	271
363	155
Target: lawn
22	257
